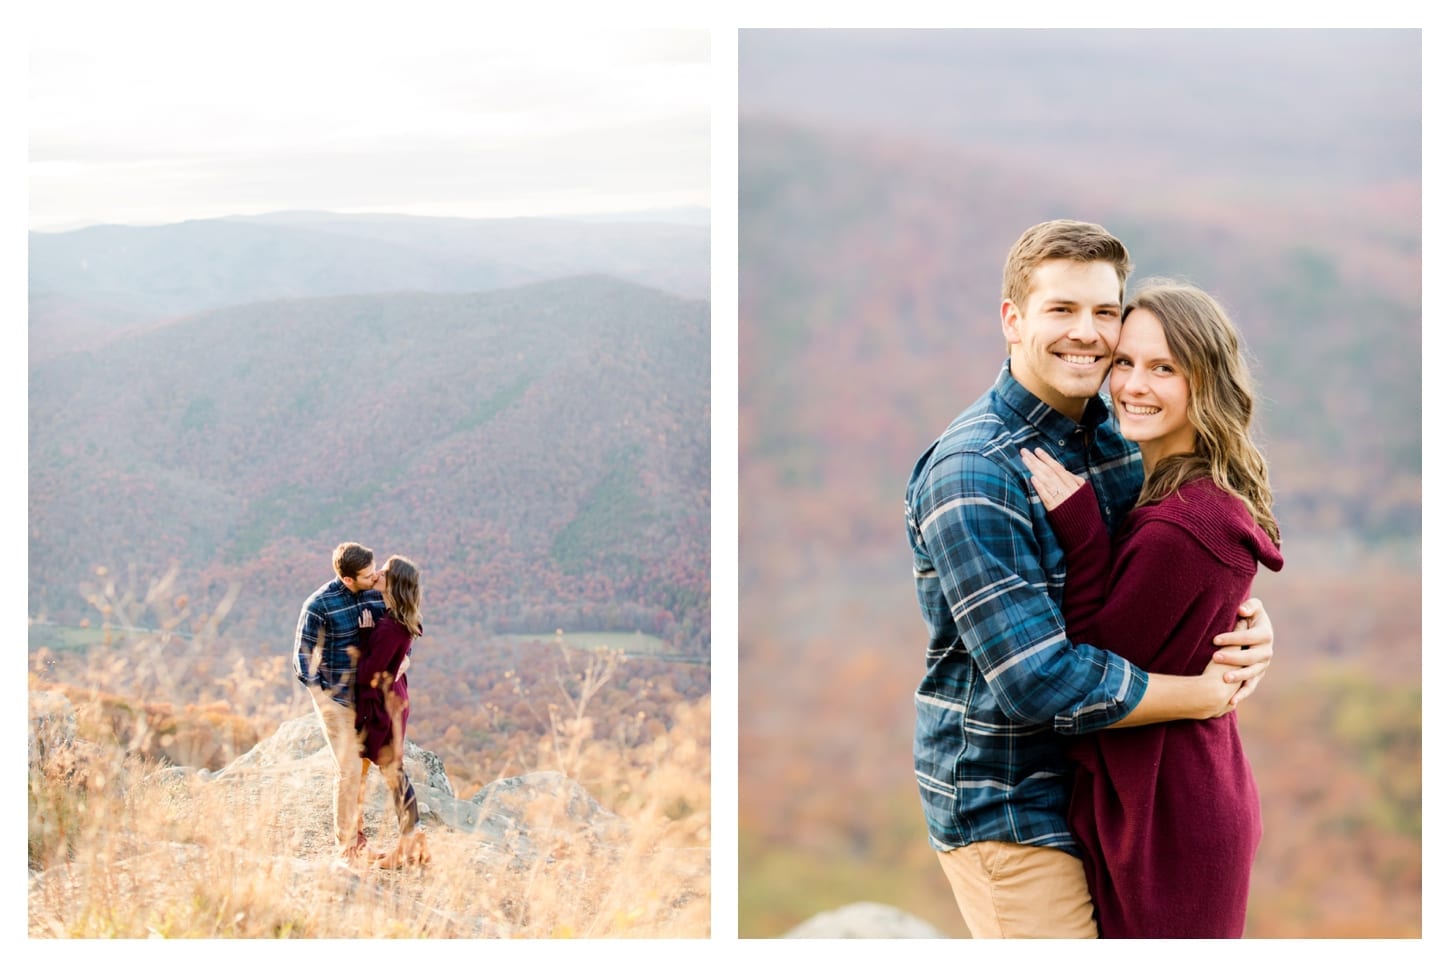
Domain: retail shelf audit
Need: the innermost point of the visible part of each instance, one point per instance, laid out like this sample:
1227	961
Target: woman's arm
1072	509
1078	524
386	647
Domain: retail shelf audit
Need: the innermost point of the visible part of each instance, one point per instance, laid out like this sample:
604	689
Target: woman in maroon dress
1167	815
382	702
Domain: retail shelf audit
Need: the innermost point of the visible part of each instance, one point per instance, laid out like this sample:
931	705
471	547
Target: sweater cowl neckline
1216	519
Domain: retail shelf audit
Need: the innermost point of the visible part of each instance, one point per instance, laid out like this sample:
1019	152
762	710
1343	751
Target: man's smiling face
1063	339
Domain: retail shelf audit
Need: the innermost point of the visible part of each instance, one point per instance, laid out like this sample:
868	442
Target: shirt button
1062	443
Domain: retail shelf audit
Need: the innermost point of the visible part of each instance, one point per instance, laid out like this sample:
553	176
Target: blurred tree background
883	177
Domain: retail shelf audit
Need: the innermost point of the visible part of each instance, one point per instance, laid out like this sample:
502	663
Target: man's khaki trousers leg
339	727
1009	890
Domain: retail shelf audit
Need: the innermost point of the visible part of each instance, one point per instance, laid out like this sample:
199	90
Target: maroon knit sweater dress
1167	815
377	674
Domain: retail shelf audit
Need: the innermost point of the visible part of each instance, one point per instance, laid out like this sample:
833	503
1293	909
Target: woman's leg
412	846
405	802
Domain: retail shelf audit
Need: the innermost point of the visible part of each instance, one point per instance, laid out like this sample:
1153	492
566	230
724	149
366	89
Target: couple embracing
1084	564
354	639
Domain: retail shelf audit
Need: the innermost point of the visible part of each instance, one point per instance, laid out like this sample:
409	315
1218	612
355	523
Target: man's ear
1011	322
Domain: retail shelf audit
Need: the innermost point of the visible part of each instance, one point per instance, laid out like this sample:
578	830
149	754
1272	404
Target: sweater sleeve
1079	527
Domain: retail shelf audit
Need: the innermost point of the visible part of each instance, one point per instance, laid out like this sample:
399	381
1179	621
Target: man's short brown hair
349	559
1061	239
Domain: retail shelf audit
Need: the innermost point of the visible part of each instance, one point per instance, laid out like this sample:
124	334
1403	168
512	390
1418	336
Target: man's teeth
1080	360
1140	410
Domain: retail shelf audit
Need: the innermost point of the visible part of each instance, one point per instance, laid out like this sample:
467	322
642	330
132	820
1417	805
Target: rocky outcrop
518	820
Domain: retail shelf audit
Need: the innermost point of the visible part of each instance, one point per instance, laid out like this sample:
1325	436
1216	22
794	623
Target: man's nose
1082	328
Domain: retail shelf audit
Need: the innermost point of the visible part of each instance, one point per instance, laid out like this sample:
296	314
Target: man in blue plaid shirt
331	632
1002	680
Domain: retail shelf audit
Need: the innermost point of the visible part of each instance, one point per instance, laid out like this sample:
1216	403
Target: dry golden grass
124	845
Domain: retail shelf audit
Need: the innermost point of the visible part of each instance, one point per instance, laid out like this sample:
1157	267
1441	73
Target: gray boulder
870	921
295	740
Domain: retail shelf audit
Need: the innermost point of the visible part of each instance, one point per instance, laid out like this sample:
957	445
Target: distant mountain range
541	449
89	284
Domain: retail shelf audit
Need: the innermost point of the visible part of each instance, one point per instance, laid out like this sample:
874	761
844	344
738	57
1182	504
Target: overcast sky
166	125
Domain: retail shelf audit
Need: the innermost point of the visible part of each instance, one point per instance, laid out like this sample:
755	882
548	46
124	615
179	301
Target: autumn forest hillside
541	450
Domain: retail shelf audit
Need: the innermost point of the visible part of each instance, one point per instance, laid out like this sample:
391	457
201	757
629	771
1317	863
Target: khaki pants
1007	890
341	731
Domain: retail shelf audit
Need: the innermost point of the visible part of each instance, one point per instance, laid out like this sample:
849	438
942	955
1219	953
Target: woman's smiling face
1149	388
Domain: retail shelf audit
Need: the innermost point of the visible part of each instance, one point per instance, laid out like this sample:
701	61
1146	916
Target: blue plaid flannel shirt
335	610
1002	680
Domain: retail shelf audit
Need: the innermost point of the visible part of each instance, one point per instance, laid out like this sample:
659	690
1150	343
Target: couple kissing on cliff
354	638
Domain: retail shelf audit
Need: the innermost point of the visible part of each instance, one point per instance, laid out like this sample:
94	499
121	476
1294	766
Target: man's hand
1214	692
1224	694
1248	648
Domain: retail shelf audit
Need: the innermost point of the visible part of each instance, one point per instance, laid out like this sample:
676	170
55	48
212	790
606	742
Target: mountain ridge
211	456
89	284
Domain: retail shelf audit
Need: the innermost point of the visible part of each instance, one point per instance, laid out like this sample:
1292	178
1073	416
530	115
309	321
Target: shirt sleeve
307	655
975	524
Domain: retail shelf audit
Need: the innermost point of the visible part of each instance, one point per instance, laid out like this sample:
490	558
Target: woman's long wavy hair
1205	344
404	594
